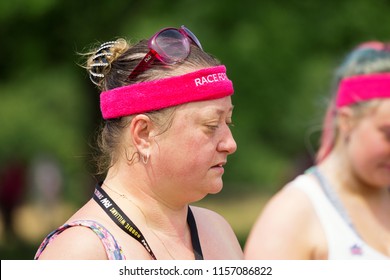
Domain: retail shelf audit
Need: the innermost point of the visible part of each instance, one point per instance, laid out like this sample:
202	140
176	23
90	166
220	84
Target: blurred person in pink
339	208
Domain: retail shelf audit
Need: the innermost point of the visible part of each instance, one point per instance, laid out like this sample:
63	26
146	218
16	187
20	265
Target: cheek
367	152
362	148
183	155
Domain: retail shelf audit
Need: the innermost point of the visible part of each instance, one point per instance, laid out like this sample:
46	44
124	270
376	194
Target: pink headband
375	45
204	84
363	87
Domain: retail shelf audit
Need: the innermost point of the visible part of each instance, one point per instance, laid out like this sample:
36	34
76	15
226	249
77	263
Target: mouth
219	165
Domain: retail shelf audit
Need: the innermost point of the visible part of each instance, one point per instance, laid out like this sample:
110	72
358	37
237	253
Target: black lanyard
120	218
124	222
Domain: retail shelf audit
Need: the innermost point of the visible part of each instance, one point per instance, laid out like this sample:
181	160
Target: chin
216	189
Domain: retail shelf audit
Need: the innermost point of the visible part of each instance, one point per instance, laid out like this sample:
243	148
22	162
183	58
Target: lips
219	165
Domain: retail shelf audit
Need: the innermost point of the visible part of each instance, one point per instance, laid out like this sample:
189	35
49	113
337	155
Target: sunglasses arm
143	64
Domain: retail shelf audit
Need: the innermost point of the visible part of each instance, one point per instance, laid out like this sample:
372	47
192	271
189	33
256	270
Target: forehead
215	106
382	112
384	107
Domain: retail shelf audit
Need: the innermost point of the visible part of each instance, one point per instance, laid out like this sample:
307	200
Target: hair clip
106	45
93	75
102	54
99	64
100	60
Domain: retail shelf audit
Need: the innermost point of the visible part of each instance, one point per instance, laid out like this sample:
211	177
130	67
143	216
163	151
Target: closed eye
386	132
212	127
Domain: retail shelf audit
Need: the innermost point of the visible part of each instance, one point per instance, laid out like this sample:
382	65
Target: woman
165	140
339	209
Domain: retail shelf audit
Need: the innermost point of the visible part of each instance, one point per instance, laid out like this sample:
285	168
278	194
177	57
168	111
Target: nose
227	143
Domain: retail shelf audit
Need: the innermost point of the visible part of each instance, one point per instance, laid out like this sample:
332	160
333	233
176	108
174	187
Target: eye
385	131
212	127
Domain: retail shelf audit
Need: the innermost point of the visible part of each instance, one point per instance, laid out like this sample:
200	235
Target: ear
345	120
141	130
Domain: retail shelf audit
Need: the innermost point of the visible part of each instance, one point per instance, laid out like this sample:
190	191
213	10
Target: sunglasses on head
169	45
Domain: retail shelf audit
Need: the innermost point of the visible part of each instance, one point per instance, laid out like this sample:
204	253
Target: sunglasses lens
192	36
171	46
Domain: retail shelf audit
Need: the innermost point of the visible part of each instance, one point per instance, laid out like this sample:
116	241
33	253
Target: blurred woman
339	209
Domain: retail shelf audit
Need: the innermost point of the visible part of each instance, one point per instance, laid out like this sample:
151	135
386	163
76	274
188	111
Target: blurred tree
280	56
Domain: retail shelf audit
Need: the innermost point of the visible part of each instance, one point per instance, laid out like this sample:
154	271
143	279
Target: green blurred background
279	54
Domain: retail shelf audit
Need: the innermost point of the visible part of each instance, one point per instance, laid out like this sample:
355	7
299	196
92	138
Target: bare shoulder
75	243
216	235
278	231
207	219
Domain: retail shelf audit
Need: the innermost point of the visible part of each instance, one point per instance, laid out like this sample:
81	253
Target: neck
135	195
342	176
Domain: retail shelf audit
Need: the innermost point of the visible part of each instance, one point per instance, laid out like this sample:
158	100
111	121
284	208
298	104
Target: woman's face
369	146
189	157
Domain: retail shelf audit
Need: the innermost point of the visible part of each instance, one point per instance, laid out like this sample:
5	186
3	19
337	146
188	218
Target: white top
343	242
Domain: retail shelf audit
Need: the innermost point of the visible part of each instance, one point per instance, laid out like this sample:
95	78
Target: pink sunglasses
169	45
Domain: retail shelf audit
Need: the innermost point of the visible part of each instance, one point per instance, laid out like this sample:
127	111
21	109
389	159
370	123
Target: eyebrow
221	112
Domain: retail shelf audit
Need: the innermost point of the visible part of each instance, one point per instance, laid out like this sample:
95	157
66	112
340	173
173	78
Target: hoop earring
145	158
